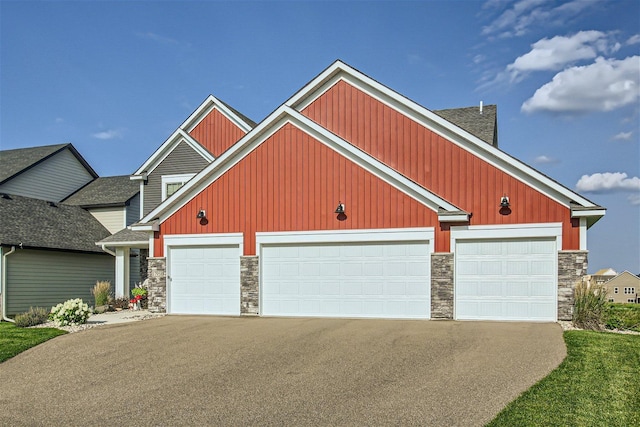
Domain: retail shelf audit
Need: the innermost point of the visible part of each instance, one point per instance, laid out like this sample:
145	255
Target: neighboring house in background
48	255
47	251
210	130
623	288
351	200
50	172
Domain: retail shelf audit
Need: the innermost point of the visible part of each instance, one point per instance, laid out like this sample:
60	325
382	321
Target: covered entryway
203	279
349	274
506	279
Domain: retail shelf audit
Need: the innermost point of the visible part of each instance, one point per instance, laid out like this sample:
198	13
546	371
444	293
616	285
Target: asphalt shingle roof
40	224
106	191
483	125
126	236
12	162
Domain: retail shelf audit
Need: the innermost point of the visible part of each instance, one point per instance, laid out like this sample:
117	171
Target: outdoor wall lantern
202	214
504	202
340	208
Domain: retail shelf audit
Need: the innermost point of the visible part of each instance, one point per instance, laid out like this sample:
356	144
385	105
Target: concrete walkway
185	370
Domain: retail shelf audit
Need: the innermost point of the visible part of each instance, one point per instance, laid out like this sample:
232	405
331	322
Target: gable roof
479	121
182	133
35	223
579	205
284	114
104	192
625	276
14	162
290	112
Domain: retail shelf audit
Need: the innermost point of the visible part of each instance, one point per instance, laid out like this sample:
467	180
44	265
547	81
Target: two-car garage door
373	279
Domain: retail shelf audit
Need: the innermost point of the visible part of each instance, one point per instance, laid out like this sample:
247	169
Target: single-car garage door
349	279
506	279
204	280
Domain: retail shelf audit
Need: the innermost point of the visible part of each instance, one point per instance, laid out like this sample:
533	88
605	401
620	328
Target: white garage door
374	279
204	280
511	279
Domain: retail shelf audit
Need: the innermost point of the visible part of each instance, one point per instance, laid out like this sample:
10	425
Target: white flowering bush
71	312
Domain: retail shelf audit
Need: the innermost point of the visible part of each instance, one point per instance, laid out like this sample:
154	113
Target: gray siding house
53	209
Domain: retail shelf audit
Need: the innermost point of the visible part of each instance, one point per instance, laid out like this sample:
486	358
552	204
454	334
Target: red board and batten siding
435	163
291	182
216	133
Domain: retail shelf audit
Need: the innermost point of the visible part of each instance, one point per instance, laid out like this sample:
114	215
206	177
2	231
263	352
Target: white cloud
545	160
605	85
555	53
623	136
634	199
108	134
633	40
524	14
608	182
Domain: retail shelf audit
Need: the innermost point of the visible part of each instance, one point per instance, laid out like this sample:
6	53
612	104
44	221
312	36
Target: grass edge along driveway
15	340
598	384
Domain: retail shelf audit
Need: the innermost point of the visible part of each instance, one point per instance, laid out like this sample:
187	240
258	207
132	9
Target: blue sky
116	78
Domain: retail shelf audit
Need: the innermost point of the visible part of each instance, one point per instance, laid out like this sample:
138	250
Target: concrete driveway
269	371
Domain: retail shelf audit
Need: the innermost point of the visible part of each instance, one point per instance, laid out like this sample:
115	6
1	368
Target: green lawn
598	384
14	340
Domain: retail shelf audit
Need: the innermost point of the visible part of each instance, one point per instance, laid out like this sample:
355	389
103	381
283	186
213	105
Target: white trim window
629	291
172	183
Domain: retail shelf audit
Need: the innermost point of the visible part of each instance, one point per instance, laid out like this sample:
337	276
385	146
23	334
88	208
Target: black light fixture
340	208
201	214
504	202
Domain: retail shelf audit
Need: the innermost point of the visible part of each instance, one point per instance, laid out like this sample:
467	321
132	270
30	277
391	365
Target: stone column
249	285
157	291
442	286
572	265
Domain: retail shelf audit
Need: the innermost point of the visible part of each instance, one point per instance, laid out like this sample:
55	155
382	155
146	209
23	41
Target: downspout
4	286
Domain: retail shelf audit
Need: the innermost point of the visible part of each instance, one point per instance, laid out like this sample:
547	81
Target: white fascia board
168	146
458	217
583	213
205	108
145	227
490	154
141	177
551	230
269	127
335	236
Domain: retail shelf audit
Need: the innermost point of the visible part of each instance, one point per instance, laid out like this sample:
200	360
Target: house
351	200
47	250
623	288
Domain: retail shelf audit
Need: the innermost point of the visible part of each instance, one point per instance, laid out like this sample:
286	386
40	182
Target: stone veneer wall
442	286
144	264
157	291
572	265
249	285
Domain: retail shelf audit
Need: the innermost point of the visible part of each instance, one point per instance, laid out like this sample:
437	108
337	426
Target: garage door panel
377	279
518	283
204	280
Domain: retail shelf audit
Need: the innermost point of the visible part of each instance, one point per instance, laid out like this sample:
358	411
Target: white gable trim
206	107
270	126
340	71
168	146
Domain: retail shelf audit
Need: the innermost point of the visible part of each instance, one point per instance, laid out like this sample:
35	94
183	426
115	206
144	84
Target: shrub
101	292
33	317
590	306
623	316
120	303
71	312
